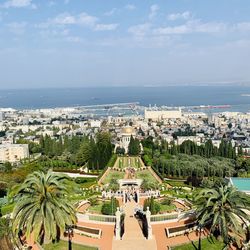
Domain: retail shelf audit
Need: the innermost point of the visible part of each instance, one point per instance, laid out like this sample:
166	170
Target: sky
88	43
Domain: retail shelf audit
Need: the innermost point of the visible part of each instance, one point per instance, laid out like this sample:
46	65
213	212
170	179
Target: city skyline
125	43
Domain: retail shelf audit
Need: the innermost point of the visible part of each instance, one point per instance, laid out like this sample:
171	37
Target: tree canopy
225	210
134	146
42	207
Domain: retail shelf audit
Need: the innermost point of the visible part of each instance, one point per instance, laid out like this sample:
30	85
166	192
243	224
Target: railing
102	218
96	217
148	194
117	195
172	216
163	217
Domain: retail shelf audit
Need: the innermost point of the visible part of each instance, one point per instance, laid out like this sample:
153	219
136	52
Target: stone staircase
133	238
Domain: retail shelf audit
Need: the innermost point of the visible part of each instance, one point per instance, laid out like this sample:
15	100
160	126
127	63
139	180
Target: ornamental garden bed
116	175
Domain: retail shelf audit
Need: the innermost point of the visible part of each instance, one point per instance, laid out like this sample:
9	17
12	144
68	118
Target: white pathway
133	238
75	175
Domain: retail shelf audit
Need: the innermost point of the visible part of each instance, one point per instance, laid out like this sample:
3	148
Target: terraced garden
124	162
118	171
146	176
113	174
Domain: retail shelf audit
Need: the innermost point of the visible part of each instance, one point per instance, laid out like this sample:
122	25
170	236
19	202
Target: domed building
128	131
125	137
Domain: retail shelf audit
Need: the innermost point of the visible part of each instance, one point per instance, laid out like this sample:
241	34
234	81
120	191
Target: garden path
133	238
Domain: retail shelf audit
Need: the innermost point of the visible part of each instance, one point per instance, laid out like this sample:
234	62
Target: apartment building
13	152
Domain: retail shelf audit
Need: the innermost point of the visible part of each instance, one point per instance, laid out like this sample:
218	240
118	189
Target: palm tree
43	209
224	209
5	234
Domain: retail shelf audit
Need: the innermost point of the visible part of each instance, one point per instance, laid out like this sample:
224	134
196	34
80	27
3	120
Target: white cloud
67	19
19	4
153	11
130	7
86	20
111	12
210	27
82	19
140	30
106	27
64	19
195	26
181	29
66	1
175	16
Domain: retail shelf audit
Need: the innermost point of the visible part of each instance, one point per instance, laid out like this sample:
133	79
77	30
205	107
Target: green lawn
86	182
113	175
168	208
175	183
123	162
96	208
83	196
178	193
63	245
145	175
209	243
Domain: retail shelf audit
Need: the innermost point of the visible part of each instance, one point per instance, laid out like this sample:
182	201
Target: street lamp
200	227
70	232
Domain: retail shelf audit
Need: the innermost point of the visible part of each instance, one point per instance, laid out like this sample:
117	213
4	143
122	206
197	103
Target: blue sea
236	96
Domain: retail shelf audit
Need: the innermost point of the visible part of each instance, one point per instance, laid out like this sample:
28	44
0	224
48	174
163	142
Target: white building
125	137
95	123
216	143
195	139
167	138
13	152
2	116
158	115
195	114
126	134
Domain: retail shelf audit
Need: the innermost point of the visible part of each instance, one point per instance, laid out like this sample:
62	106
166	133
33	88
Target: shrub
166	201
147	185
147	160
113	185
153	205
93	201
112	161
109	208
82	180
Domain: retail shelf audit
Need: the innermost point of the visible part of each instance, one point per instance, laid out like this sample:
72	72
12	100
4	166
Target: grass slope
209	243
63	245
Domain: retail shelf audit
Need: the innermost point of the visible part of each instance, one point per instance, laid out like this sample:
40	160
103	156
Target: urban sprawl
124	176
171	126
